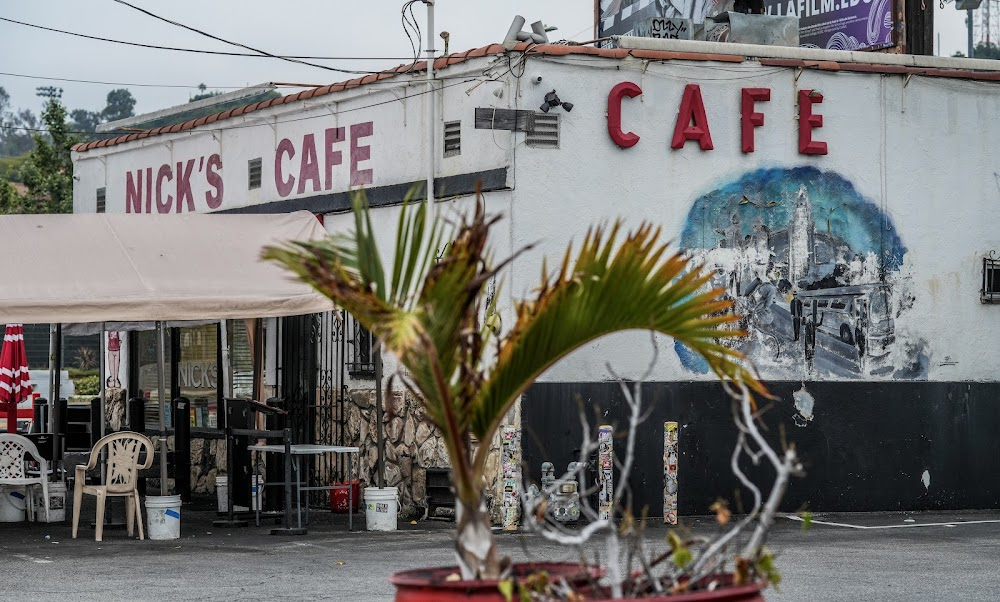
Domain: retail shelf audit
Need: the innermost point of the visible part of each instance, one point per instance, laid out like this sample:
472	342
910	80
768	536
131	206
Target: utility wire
231	43
200	51
130	85
247	125
135	85
412	28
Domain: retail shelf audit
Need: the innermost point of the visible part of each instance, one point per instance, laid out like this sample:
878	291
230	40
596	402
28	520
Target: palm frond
607	289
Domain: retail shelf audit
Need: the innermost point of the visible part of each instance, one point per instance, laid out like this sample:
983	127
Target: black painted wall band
385	196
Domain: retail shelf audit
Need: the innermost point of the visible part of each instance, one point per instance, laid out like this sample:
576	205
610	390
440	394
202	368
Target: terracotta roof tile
782	62
549	50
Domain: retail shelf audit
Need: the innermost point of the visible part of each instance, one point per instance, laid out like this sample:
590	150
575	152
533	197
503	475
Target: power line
244	46
187	86
200	51
246	125
130	85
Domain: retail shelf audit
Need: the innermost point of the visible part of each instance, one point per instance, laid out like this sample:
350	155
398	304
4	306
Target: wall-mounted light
552	100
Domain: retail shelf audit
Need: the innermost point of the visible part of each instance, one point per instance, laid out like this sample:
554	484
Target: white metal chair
122	477
13	449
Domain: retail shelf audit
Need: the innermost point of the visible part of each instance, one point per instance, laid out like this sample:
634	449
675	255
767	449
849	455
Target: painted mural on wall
817	274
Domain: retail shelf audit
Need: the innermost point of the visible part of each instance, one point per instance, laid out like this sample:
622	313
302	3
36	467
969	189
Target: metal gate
318	354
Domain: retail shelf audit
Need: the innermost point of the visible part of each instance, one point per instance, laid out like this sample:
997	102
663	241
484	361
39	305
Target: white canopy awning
129	268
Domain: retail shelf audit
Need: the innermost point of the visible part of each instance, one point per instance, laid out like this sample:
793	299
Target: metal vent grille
452	138
253	173
545	133
101	199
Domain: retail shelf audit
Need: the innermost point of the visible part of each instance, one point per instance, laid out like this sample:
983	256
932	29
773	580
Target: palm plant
426	311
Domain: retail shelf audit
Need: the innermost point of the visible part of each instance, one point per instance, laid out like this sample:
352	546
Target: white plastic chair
122	477
13	449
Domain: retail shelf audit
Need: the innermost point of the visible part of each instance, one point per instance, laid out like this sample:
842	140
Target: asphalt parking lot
842	557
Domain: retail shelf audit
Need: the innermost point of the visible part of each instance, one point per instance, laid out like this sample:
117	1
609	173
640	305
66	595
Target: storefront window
148	374
197	370
198	373
241	358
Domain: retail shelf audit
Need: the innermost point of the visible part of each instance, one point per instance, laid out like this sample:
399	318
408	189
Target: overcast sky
366	28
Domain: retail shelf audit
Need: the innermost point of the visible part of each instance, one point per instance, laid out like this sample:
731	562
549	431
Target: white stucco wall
396	112
917	148
912	153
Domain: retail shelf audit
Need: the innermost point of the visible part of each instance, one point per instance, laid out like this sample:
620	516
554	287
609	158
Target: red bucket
338	497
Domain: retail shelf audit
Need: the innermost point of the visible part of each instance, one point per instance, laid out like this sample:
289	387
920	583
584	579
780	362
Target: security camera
537	79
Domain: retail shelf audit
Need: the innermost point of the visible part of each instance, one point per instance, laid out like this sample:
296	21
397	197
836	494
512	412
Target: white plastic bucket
381	507
57	503
163	516
12	504
222	494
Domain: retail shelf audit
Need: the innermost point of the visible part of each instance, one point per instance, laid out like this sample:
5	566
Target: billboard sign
839	24
828	24
633	17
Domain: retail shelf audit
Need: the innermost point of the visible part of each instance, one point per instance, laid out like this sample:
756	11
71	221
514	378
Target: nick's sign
306	164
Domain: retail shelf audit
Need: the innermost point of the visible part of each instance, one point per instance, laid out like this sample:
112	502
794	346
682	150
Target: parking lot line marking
27	558
848	526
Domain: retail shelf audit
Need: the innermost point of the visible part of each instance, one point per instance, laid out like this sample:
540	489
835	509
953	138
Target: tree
203	93
14	138
9	198
48	172
986	50
84	120
427	311
120	105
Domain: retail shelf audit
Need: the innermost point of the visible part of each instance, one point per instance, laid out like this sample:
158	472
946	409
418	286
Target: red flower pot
430	585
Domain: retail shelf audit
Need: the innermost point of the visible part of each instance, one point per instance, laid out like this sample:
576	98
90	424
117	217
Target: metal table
297	452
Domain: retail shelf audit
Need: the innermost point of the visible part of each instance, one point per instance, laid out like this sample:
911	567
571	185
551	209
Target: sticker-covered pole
510	439
605	471
670	454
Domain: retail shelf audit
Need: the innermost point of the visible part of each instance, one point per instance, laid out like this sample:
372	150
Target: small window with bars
452	138
990	292
253	173
362	351
102	195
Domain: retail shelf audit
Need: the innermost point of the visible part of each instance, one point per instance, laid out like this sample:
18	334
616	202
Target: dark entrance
315	354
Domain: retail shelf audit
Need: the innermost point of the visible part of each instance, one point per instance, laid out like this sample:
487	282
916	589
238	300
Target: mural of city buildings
816	272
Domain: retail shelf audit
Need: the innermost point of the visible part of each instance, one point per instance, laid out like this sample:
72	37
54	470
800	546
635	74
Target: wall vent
545	133
452	138
253	173
102	194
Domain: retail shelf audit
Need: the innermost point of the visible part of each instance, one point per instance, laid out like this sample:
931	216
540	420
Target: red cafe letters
301	165
692	121
325	154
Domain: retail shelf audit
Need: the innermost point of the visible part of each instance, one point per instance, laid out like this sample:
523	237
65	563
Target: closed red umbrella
14	384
